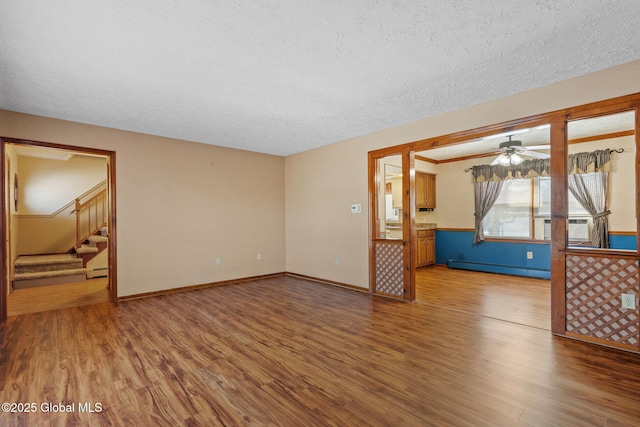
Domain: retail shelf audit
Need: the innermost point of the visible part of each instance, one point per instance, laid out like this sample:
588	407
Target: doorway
391	188
50	173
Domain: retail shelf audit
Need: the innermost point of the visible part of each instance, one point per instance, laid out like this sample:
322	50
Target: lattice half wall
593	292
389	268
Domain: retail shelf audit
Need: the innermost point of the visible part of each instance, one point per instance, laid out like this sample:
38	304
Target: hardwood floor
285	351
54	297
522	300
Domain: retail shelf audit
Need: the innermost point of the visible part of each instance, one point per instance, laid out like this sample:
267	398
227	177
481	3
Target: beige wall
180	205
48	185
47	235
322	183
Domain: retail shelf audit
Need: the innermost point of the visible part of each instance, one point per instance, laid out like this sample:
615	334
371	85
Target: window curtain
485	195
591	191
588	182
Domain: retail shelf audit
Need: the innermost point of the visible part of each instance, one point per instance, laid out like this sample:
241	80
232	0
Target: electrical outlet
218	261
529	255
337	261
259	257
629	301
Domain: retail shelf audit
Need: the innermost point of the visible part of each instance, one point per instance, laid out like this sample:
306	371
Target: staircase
91	239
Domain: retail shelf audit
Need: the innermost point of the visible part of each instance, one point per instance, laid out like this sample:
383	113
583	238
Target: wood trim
113	228
602	342
41	144
327	282
426	159
7	242
604	107
613	105
466	135
623	233
602	253
372	174
389	151
601	137
408	226
455	229
198	287
559	152
3	237
532	211
637	109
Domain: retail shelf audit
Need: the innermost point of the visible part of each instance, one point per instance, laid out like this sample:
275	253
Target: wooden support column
559	189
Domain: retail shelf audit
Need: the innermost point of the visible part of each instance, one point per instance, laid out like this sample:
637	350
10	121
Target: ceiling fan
512	152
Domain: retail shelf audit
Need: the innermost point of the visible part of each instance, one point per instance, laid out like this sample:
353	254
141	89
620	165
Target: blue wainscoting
455	248
617	241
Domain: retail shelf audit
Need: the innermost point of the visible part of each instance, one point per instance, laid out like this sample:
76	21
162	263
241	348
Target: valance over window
579	163
588	177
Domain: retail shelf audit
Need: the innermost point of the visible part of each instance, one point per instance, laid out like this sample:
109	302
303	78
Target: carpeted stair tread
46	263
98	239
86	249
47	274
44	259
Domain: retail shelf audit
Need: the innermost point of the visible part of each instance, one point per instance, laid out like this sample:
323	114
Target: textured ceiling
287	76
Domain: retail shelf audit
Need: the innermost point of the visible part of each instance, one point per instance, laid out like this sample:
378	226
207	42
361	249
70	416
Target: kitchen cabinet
425	190
426	247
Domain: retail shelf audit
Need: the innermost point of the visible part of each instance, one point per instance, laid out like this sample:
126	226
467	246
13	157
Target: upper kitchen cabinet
425	190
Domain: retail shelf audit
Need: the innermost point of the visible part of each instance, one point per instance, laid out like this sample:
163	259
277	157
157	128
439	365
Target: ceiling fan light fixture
515	159
504	160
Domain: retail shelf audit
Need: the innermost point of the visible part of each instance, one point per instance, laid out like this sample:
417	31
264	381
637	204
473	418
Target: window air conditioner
578	230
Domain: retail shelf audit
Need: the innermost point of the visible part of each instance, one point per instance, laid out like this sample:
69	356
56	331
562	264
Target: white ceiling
284	76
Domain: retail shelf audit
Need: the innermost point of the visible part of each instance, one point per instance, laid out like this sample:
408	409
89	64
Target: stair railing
91	216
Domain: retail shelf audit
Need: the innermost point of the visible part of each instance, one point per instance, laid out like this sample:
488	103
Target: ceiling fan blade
538	147
536	154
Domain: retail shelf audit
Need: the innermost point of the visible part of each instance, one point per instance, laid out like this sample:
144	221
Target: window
511	215
521	208
542	200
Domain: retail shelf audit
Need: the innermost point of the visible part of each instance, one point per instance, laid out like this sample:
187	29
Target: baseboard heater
498	268
97	272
